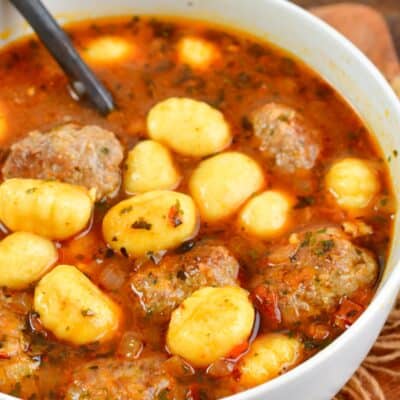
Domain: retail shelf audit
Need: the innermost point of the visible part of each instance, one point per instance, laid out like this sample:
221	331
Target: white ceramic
354	77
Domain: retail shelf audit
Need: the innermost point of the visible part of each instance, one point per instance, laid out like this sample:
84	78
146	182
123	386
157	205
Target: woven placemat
374	26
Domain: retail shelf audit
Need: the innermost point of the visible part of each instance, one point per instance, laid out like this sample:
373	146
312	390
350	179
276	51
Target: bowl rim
386	291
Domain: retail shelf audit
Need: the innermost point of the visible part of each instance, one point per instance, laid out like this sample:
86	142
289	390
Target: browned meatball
89	156
286	137
115	379
15	362
161	288
311	274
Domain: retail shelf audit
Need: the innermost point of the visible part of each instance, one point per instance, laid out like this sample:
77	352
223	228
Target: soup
225	223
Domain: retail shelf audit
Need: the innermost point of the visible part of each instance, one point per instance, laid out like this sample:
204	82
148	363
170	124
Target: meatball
89	156
15	362
310	275
161	288
286	137
115	379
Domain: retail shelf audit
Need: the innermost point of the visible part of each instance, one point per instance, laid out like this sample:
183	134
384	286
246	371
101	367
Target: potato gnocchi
221	184
150	166
51	209
108	50
266	214
73	308
197	53
269	356
149	222
190	127
24	259
209	324
353	183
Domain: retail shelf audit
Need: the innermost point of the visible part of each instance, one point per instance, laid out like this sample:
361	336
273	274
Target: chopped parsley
324	246
163	395
304	201
87	312
141	223
125	210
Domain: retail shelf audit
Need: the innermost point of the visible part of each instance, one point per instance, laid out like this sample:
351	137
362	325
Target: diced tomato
4	356
266	301
238	350
347	313
193	393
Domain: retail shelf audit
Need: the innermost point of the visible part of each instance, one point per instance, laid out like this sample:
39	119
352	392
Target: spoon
82	78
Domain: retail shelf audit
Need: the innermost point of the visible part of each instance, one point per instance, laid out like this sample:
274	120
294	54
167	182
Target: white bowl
359	82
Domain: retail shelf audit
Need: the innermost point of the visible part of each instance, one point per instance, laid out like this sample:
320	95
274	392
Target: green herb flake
31	190
163	395
16	390
304	201
307	240
324	246
141	223
87	312
125	210
105	150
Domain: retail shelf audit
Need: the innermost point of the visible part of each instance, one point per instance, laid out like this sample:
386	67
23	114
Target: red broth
246	75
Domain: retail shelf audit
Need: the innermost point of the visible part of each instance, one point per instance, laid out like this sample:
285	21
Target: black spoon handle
57	42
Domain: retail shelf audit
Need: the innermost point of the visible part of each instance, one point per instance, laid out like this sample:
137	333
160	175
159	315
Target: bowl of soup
229	231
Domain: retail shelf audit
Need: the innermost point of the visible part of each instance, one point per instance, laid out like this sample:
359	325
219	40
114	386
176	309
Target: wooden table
391	11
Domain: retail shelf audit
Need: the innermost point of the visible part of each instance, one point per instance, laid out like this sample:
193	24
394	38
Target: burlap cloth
376	31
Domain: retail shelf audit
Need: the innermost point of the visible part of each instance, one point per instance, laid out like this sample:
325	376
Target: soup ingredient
266	214
357	228
209	324
150	222
189	127
109	378
73	308
221	184
285	135
51	209
197	52
108	50
353	183
269	356
3	122
150	166
310	275
87	156
24	258
161	288
15	362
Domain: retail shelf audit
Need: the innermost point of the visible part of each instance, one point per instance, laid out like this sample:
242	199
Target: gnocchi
189	127
209	324
73	308
149	222
51	209
24	258
149	166
353	183
267	214
108	49
221	184
197	53
269	356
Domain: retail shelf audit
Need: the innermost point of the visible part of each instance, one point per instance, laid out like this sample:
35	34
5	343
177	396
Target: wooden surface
378	35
